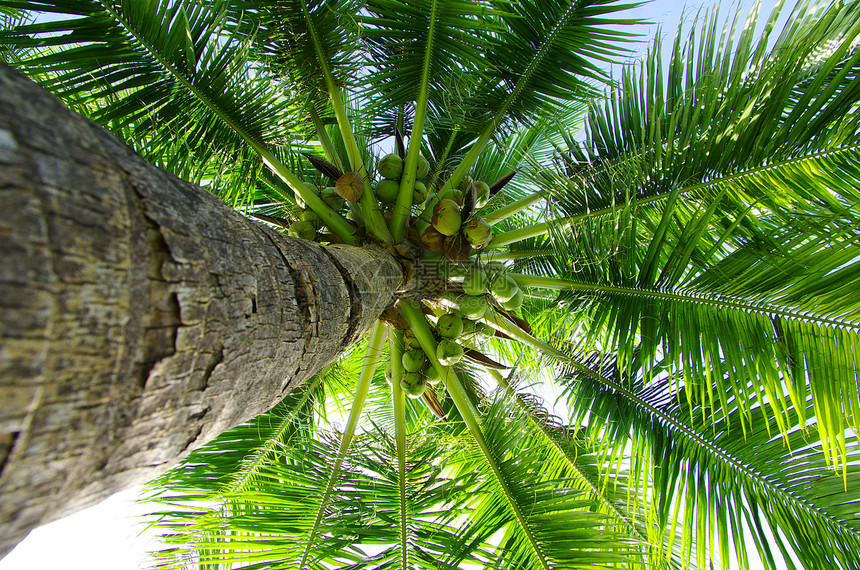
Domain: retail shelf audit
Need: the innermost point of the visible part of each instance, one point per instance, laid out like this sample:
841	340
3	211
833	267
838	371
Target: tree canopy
675	251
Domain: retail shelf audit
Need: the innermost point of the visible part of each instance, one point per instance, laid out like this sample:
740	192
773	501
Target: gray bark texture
140	316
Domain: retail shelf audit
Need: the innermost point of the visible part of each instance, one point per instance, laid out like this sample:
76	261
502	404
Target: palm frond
686	450
152	70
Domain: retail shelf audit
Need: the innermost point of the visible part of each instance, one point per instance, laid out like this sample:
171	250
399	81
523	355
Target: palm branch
686	274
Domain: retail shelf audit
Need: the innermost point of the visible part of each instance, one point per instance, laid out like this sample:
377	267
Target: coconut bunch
475	292
309	225
463	299
453	228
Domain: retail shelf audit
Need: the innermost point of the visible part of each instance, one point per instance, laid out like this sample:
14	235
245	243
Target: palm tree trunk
140	317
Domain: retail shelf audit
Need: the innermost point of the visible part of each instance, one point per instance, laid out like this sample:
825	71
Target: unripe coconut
483	191
332	198
503	288
303	230
419	192
411	342
386	190
446	217
423	168
413	360
313	218
476	282
469	328
413	384
449	325
448	352
350	186
478	232
390	166
431	239
483	331
514	302
431	376
473	307
454	195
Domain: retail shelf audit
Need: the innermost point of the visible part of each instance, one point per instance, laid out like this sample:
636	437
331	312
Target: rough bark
139	316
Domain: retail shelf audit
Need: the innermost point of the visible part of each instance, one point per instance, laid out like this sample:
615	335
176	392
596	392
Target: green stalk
403	206
374	349
337	223
441	159
418	323
723	301
398	404
503	324
322	135
522	233
472	156
565	454
375	223
512	255
505	212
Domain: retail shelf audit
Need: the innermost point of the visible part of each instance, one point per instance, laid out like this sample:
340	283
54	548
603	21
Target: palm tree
685	275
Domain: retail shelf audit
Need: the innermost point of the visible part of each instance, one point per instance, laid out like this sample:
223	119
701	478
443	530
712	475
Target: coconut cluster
390	167
310	224
454	229
452	330
445	227
474	290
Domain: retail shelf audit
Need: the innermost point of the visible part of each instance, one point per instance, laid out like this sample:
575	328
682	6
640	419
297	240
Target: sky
113	535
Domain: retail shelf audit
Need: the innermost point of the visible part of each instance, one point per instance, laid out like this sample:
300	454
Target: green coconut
448	352
313	218
386	191
503	288
449	325
302	229
478	232
473	307
446	217
431	376
514	302
483	192
414	360
476	282
413	384
423	168
390	166
332	198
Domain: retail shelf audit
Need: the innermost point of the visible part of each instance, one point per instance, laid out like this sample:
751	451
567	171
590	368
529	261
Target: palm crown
687	274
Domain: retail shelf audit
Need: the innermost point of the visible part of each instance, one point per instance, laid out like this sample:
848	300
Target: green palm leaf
751	473
151	70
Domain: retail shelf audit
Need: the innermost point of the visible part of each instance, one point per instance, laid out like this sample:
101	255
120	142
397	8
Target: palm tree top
676	251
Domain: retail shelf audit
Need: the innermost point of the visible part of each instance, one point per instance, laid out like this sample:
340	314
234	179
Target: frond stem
403	206
370	207
472	156
505	212
722	301
418	323
337	223
371	358
398	404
